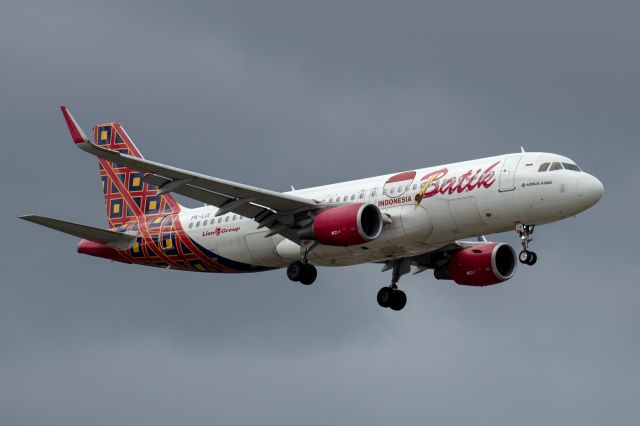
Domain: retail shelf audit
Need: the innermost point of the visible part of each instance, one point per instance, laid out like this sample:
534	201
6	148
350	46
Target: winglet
77	134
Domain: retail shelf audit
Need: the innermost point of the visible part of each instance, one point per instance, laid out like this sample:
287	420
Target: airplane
433	218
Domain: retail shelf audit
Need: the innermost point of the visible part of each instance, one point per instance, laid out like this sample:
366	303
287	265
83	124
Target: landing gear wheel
524	232
304	273
295	270
309	274
533	259
389	297
398	300
385	296
528	257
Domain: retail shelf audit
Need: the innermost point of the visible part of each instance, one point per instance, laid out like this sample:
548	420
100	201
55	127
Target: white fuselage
461	200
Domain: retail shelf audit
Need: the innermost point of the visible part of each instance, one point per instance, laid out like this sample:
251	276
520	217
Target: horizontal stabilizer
81	231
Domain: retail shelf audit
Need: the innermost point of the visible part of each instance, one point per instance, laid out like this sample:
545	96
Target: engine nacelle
481	265
344	226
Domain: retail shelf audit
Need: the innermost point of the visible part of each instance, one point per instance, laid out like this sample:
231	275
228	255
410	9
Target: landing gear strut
301	270
391	296
524	232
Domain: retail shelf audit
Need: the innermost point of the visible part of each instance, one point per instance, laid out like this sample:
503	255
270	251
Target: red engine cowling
481	265
347	225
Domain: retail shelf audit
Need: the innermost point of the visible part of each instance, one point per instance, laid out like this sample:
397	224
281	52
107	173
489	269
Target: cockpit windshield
556	165
569	166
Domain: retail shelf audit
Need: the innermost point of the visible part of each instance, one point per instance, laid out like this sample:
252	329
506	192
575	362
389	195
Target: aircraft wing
271	209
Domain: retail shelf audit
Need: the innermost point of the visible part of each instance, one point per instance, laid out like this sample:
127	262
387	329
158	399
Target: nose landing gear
524	232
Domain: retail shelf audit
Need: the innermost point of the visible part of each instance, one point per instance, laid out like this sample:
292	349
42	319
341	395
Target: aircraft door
508	173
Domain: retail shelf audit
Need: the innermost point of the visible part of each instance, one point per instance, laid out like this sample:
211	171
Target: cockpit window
543	167
555	166
570	166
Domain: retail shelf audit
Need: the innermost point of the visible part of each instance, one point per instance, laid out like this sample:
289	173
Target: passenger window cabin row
225	218
345	198
360	196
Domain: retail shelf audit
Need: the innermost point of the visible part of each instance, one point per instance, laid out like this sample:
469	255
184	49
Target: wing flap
245	209
199	194
81	231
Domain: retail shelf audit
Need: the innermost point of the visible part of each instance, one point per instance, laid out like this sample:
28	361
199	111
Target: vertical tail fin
127	197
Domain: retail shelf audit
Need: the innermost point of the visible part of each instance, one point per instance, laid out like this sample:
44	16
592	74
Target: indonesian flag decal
398	184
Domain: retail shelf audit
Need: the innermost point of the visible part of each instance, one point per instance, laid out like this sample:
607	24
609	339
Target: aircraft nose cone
590	190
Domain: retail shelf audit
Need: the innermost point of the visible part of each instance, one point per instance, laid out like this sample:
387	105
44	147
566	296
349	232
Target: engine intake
347	225
481	265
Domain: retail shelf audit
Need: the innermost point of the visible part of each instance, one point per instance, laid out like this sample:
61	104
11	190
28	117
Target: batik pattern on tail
128	199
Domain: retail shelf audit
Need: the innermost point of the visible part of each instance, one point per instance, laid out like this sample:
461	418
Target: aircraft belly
263	250
444	227
340	256
416	224
466	214
227	241
499	210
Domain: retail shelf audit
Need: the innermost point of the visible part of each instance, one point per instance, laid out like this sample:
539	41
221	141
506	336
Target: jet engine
347	225
481	265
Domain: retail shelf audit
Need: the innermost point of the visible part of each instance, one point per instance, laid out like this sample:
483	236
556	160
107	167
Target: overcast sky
273	93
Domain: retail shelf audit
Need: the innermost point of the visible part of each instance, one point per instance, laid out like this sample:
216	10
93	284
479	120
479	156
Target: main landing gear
392	297
301	270
524	232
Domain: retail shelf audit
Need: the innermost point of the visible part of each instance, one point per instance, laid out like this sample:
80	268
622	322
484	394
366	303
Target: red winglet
77	134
